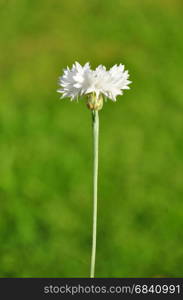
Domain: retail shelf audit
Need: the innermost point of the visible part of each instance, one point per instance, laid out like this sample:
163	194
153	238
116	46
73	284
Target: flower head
79	81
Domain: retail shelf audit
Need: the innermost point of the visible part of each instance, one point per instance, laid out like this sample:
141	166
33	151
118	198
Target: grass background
45	143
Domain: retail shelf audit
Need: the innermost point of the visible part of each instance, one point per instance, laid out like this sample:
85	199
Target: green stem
95	121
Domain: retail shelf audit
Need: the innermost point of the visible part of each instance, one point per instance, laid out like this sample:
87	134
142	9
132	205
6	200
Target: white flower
82	81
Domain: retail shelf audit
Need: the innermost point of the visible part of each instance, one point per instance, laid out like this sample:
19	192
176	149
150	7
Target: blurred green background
46	143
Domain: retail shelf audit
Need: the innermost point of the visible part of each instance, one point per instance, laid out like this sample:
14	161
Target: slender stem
95	119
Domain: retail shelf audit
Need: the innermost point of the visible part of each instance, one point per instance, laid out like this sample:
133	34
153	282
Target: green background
46	143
